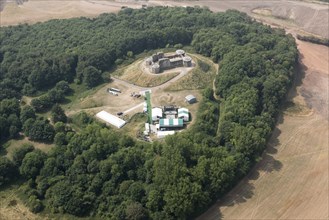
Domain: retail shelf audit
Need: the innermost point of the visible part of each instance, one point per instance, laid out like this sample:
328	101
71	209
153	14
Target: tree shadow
299	76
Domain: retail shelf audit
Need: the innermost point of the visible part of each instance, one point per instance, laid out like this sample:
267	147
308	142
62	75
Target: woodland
100	172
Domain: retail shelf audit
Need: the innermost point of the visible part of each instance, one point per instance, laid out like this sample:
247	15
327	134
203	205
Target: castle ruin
162	61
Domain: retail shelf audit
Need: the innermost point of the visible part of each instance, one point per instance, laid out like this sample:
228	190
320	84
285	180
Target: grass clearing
197	78
79	93
135	125
13	144
134	74
11	207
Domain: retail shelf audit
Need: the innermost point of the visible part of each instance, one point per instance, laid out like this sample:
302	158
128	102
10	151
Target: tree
19	153
56	95
26	113
63	86
135	211
58	114
92	76
7	170
34	204
39	130
32	164
10	124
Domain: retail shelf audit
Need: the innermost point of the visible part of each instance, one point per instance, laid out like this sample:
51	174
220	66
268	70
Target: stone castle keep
162	61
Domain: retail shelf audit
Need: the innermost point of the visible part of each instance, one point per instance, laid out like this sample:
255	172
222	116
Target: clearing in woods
137	73
291	181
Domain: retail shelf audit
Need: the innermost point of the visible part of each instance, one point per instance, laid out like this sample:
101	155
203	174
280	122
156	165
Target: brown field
310	17
291	181
33	11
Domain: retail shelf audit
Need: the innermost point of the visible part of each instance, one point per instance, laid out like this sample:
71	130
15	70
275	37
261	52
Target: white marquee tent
111	119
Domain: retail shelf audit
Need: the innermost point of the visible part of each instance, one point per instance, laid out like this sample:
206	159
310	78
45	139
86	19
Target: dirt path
133	108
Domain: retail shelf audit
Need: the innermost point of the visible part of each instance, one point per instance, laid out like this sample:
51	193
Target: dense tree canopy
103	173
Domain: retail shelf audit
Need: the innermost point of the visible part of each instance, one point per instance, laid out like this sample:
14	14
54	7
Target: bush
205	67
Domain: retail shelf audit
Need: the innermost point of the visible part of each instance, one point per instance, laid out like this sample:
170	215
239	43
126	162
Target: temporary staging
111	119
171	123
162	134
156	114
190	99
183	113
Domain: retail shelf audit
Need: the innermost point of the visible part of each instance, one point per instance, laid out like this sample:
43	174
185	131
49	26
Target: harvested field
310	17
33	11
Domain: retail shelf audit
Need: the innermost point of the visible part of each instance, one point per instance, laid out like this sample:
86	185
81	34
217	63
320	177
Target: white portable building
190	99
183	113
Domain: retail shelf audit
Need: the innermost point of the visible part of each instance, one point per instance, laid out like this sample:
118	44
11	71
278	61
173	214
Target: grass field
11	207
13	144
135	125
136	75
197	78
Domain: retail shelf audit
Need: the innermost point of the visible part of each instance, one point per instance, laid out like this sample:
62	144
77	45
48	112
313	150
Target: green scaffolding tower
149	107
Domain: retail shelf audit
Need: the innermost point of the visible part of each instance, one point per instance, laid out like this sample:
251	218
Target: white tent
111	119
156	114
